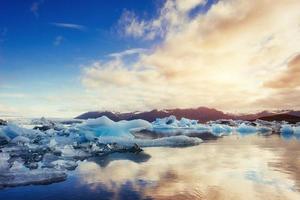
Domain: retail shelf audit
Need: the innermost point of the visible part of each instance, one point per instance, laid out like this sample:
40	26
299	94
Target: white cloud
128	52
221	58
172	17
69	26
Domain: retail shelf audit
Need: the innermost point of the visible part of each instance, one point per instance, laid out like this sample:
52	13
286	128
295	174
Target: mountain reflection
103	161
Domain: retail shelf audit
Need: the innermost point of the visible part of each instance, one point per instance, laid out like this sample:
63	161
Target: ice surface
20	140
244	128
64	164
37	176
219	129
4	165
172	122
297	130
286	129
103	126
172	141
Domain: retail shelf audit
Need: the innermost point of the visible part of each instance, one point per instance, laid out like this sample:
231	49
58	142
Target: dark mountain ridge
203	114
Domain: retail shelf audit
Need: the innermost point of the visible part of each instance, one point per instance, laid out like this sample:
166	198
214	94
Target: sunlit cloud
289	77
172	16
223	58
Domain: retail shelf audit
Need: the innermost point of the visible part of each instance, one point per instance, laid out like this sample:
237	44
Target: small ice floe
171	141
38	176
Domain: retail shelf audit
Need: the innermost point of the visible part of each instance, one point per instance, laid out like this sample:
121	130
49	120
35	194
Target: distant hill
203	114
295	113
282	117
96	114
255	116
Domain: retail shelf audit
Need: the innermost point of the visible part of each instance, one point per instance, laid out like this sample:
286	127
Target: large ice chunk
172	122
286	129
172	141
12	130
103	126
219	129
246	129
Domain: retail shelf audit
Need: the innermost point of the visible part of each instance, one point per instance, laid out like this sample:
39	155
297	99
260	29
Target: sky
60	58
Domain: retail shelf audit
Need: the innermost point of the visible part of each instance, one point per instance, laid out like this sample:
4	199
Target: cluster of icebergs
41	151
224	127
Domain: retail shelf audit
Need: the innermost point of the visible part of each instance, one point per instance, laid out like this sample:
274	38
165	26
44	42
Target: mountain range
203	114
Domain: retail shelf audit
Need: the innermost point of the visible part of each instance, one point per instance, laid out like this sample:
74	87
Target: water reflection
252	167
103	161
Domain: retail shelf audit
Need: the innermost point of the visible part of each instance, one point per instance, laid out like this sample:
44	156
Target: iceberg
286	129
103	126
172	122
219	129
246	129
297	130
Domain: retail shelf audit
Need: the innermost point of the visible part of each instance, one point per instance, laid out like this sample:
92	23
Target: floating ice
246	129
297	130
219	129
103	126
286	129
172	141
20	140
172	122
4	165
37	176
64	164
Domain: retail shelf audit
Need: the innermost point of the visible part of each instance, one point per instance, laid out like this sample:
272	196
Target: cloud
127	52
173	16
284	86
58	40
35	6
222	58
69	26
288	78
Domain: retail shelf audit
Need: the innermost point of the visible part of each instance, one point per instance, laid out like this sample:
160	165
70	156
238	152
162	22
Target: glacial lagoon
245	165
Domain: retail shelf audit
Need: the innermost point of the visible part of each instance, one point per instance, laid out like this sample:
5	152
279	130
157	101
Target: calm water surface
233	167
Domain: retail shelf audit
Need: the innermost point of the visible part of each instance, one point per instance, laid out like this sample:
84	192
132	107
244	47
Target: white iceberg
172	122
103	126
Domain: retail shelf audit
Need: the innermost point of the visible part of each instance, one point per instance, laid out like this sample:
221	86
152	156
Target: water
233	167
